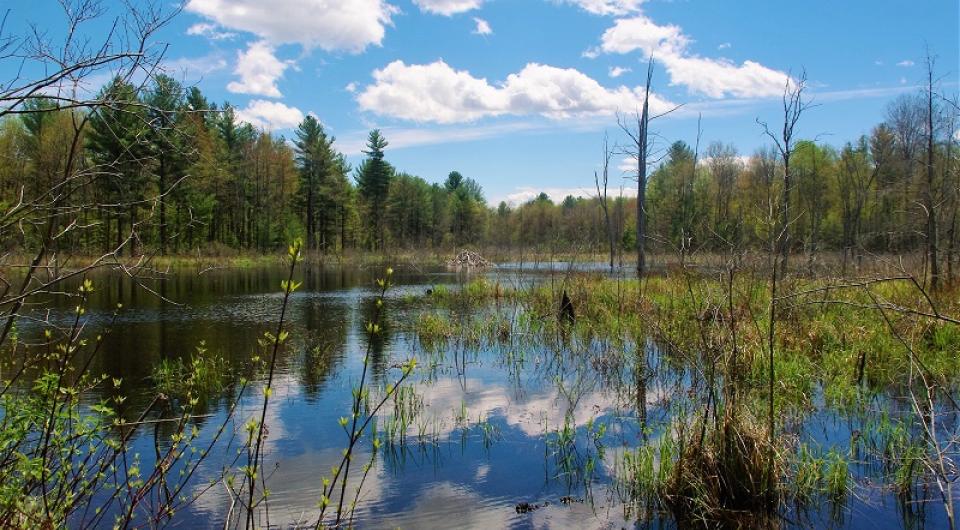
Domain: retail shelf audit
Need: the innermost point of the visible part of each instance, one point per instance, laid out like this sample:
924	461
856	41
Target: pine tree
165	103
373	180
315	159
116	143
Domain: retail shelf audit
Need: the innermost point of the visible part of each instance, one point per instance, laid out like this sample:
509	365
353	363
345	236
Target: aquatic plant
362	416
201	374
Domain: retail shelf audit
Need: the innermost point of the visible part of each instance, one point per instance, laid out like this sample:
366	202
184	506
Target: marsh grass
202	375
723	477
838	354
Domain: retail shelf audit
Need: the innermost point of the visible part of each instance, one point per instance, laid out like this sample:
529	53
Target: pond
494	433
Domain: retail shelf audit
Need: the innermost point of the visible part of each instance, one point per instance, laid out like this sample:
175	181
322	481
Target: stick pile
468	259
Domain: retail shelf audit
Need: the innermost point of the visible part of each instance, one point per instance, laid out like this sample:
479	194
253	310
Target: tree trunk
162	177
642	176
783	237
928	195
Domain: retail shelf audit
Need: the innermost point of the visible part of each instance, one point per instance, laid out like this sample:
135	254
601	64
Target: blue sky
517	94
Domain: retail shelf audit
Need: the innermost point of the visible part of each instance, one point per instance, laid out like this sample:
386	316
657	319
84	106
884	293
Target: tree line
165	168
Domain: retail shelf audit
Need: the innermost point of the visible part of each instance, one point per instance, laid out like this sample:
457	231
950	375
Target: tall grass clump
723	477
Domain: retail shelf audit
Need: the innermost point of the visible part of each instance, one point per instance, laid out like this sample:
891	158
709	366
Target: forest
171	171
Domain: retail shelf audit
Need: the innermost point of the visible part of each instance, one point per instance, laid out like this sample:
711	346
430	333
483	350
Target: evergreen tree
116	143
165	103
314	165
373	181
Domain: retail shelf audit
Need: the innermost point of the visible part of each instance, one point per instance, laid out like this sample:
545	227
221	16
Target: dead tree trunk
638	150
928	201
794	106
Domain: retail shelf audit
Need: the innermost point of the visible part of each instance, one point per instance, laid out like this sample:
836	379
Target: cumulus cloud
641	33
270	115
259	69
715	78
332	25
447	7
906	63
483	27
607	7
437	93
617	71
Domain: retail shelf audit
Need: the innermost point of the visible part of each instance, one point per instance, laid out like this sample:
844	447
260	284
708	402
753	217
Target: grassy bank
823	264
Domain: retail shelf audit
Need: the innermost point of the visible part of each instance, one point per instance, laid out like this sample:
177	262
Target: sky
518	94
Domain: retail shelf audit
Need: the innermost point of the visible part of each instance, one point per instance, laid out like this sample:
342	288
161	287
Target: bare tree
640	151
929	207
794	105
601	183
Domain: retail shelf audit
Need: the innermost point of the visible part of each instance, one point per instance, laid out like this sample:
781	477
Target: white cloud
715	78
333	25
617	71
596	7
447	7
437	93
483	27
210	31
432	92
270	115
641	33
906	63
259	69
607	7
724	46
351	87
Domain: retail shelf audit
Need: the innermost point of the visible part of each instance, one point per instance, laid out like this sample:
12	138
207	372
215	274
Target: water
489	434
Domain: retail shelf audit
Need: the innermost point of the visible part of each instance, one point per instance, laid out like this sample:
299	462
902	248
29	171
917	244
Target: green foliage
201	376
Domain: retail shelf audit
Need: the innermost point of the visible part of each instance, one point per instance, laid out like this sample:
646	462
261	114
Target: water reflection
496	423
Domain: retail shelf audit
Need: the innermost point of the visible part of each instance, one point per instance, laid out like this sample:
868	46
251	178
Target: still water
498	423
